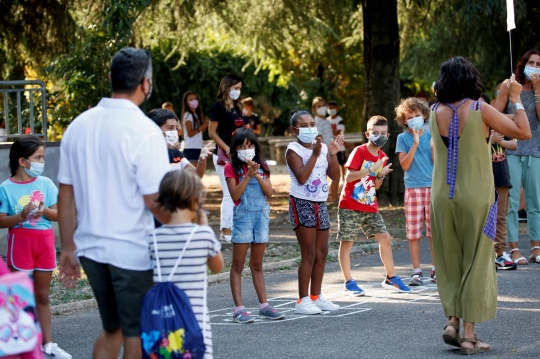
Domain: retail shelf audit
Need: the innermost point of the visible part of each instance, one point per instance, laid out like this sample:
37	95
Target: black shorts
308	214
342	157
119	294
192	154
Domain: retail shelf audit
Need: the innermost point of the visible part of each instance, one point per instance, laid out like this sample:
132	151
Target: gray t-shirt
529	147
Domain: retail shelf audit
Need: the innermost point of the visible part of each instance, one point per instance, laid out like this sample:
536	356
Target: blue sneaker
353	290
396	284
243	317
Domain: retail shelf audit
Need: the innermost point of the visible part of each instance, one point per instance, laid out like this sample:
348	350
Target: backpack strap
156	255
182	254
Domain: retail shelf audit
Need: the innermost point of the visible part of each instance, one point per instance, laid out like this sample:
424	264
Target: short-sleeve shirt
176	157
228	121
325	130
420	174
360	195
253	121
196	141
113	155
316	187
189	276
501	173
14	196
337	125
229	173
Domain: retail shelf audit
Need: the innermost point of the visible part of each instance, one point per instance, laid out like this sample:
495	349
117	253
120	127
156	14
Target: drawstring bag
169	329
20	333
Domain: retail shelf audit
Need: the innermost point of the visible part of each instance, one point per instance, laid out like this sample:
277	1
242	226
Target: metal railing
7	87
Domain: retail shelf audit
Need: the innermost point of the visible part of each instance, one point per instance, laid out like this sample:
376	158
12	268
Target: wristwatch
381	178
518	106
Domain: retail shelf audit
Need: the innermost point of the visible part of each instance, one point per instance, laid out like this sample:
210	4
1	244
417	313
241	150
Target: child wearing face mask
318	106
310	162
416	158
28	207
248	181
366	169
194	125
168	122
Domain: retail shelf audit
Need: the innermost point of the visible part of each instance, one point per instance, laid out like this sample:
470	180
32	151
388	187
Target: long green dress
464	254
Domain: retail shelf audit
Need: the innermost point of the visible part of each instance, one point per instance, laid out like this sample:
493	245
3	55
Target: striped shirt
325	130
189	275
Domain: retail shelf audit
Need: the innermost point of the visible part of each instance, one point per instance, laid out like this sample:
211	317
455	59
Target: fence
19	88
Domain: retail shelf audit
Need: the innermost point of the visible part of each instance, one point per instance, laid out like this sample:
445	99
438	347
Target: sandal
533	258
450	337
520	259
476	349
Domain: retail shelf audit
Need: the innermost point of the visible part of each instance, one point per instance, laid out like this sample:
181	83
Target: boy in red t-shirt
366	169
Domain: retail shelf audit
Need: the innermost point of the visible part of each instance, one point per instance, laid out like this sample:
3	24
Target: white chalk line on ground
422	293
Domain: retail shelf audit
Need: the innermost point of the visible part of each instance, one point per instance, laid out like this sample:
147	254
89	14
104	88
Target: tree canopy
287	51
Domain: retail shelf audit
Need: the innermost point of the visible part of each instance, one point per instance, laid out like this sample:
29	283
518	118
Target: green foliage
474	29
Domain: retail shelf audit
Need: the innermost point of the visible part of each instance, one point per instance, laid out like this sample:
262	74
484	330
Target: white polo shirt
112	155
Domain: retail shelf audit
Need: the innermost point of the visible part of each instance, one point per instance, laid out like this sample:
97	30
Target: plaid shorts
417	212
371	223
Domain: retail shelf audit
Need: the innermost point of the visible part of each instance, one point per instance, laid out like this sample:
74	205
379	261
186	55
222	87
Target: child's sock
237	309
417	270
314	297
262	306
432	267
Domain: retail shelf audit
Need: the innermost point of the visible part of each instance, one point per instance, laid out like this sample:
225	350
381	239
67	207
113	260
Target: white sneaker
306	306
227	238
53	350
326	305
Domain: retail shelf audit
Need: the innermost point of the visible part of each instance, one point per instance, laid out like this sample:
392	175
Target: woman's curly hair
458	79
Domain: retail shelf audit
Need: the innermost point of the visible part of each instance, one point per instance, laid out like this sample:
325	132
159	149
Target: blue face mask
36	169
529	70
307	134
416	123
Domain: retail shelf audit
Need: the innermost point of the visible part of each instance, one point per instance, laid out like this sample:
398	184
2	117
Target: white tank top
316	188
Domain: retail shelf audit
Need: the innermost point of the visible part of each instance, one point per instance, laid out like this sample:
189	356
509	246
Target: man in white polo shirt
112	159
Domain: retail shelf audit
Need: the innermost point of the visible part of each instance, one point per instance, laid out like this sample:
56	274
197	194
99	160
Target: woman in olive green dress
463	200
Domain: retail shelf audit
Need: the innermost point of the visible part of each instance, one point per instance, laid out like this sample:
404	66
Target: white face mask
171	137
36	169
321	111
245	155
234	94
332	112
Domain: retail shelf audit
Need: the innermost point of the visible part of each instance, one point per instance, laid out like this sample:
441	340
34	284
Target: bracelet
381	178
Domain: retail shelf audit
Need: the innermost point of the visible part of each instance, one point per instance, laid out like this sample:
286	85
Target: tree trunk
381	83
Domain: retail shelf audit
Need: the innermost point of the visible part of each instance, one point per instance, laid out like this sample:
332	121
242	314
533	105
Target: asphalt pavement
383	324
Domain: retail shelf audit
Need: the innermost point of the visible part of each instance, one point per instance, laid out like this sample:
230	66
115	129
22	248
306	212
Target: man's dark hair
332	103
129	68
160	116
458	79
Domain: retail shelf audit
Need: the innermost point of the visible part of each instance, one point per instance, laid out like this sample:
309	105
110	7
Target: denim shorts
250	226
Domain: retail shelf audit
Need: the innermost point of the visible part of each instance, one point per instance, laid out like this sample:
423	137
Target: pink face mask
194	103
